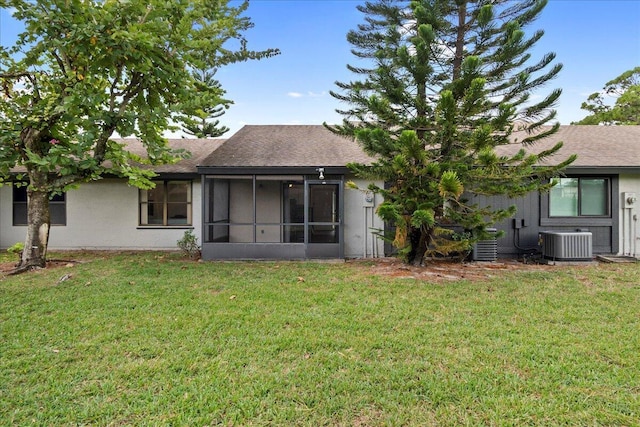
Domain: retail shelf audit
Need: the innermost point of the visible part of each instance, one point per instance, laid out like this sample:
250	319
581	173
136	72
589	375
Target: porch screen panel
255	209
268	210
241	210
293	210
230	214
218	213
324	213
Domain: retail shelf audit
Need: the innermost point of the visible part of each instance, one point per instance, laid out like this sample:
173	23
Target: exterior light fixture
320	173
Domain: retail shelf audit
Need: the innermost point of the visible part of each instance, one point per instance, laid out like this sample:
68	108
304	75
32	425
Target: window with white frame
57	207
580	197
166	205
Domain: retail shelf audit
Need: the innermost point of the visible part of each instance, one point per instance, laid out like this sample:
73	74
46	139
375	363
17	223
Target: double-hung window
57	207
580	197
168	204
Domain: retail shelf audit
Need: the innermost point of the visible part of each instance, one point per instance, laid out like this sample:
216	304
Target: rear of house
597	194
269	192
279	192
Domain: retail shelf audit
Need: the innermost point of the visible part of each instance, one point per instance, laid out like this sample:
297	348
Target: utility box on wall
629	199
368	199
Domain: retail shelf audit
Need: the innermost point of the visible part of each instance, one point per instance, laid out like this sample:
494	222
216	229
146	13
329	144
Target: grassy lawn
150	339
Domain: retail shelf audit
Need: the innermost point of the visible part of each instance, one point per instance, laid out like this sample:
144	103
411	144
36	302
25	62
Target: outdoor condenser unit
566	246
486	250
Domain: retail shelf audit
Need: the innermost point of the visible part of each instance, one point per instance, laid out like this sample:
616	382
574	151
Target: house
109	214
280	191
597	192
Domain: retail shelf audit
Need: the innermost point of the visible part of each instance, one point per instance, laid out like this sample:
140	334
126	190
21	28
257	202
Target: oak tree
84	70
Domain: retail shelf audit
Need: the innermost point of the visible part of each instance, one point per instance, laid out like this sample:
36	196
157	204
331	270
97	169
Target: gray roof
596	146
199	149
286	146
314	145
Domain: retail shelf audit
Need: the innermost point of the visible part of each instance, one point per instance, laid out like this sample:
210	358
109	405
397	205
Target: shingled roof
596	146
313	145
286	146
199	149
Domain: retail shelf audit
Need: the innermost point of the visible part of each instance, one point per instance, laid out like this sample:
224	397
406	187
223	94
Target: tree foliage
625	91
83	70
204	123
441	86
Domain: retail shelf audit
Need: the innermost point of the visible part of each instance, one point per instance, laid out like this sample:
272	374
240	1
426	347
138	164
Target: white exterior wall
361	222
102	215
629	215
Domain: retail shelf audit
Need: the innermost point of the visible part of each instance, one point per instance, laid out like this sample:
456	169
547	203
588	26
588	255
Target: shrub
189	245
17	249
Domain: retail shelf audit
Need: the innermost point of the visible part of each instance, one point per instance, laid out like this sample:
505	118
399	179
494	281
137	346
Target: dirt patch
436	270
445	270
8	267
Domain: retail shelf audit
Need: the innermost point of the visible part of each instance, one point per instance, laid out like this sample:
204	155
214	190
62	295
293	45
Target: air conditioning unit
566	246
486	250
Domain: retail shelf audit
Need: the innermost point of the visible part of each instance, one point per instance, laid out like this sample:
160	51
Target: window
576	197
57	207
168	204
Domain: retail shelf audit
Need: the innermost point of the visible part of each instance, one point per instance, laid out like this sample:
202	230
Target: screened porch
272	217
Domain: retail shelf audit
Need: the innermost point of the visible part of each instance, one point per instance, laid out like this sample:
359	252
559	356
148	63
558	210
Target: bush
17	249
189	245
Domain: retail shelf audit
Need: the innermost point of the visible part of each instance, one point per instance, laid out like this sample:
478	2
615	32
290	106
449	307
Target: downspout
374	252
634	234
364	231
624	231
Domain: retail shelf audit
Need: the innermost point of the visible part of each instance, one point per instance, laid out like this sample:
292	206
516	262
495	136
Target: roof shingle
199	149
286	146
596	146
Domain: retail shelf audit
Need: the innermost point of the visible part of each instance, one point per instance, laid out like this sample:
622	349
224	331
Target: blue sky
596	40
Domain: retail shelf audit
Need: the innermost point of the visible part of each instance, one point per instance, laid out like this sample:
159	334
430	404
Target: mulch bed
439	270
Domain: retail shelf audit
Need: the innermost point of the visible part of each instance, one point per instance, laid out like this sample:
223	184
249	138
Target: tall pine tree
204	123
441	85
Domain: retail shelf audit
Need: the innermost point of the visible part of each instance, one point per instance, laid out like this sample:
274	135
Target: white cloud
309	94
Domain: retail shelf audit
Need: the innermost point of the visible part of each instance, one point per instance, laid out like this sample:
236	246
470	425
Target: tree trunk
460	41
39	221
418	240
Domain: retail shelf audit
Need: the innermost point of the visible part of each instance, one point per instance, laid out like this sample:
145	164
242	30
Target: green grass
150	339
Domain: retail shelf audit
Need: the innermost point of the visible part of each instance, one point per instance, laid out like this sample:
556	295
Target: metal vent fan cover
486	250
